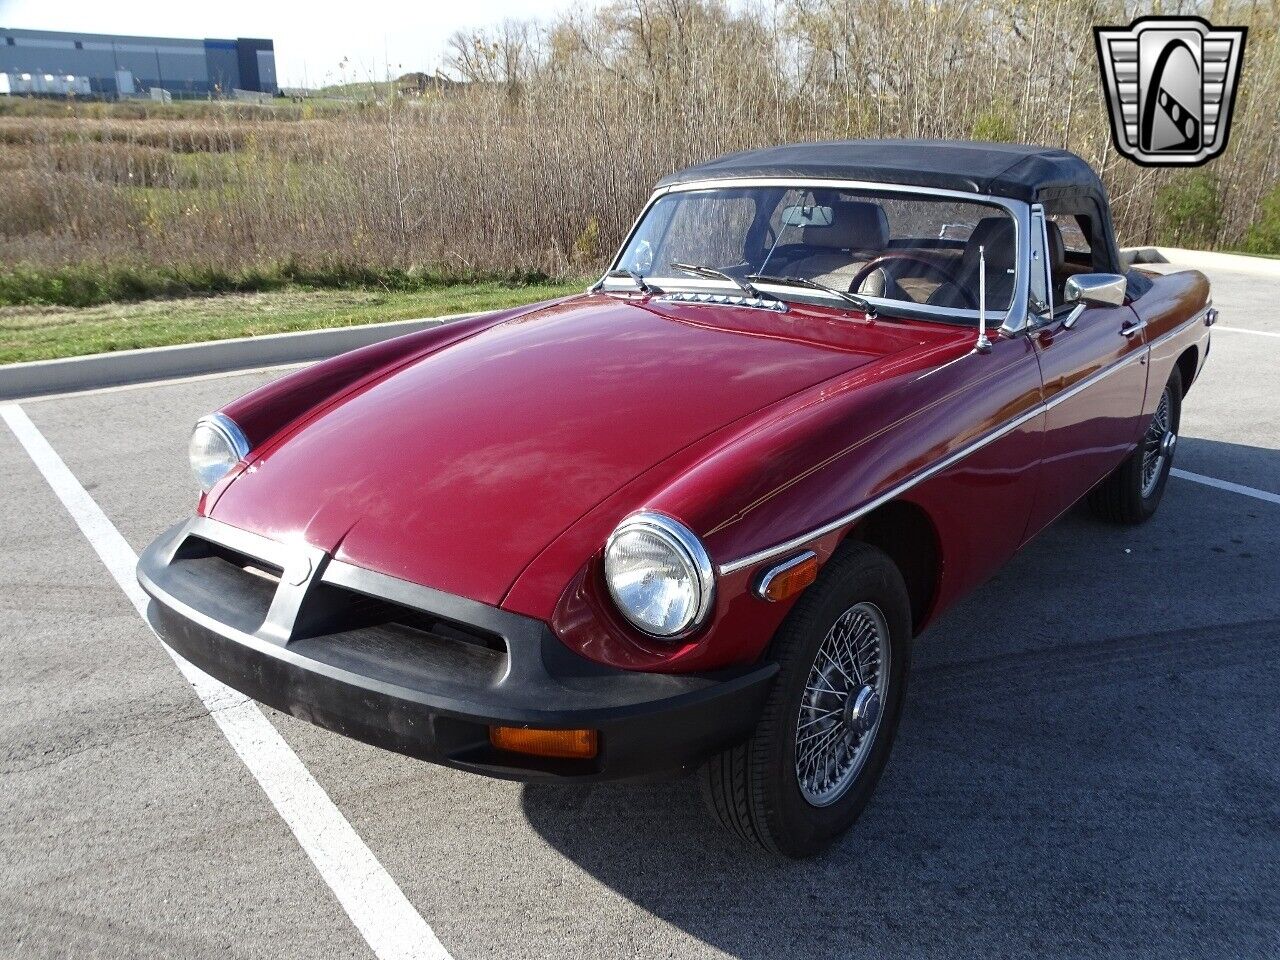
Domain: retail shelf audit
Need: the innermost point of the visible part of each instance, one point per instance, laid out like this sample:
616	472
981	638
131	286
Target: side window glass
1075	229
1080	253
1074	237
1040	287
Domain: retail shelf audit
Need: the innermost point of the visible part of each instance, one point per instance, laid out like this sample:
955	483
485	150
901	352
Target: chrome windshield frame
1015	317
1040	232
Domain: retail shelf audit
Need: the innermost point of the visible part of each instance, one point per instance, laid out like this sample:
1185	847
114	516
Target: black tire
753	789
1121	498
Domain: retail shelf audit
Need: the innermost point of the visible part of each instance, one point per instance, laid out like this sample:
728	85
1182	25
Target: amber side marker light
562	744
789	578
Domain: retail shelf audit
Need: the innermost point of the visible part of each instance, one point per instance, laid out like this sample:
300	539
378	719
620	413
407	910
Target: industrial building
42	62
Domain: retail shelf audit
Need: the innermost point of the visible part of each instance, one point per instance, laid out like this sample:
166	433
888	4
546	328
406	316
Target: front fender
780	472
267	411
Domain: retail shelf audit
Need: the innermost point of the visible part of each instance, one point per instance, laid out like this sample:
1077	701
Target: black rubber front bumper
421	672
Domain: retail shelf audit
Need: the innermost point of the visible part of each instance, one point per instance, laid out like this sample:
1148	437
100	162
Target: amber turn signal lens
789	579
565	744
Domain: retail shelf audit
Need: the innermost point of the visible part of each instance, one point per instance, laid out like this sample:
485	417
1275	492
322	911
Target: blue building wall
222	59
113	64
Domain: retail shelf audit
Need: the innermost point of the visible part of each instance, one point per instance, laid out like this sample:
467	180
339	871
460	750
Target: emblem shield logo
1171	85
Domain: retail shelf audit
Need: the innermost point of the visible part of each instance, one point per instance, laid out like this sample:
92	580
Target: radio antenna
984	344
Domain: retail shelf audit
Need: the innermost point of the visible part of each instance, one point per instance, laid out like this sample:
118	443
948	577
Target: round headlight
217	445
659	575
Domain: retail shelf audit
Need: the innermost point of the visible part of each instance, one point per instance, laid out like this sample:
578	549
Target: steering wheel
940	272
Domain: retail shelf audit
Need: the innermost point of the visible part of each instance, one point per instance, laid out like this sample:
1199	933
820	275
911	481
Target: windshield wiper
713	274
849	298
619	272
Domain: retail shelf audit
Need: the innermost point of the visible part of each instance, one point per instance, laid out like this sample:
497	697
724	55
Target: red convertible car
695	516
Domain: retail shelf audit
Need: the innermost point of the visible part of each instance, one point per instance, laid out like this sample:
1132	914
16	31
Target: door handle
1129	329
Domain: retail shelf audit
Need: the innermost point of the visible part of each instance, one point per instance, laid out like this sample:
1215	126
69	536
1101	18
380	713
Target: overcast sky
371	34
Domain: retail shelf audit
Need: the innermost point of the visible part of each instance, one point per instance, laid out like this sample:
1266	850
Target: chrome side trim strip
953	458
894	491
1063	395
1180	328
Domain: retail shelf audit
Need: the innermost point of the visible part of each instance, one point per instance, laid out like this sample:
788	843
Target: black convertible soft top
1048	175
1001	169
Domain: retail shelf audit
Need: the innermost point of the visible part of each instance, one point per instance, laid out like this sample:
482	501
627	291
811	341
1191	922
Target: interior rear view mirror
807	216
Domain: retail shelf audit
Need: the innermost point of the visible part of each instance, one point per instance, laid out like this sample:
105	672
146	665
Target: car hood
457	469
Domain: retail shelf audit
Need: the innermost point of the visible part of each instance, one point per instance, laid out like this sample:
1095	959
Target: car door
1093	364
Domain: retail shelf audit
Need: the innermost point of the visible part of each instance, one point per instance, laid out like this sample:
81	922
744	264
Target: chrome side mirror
1096	289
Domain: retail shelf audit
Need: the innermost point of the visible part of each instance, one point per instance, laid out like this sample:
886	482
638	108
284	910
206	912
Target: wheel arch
1187	364
905	531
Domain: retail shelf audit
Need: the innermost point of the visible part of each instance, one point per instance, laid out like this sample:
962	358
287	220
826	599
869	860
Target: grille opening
197	548
250	565
367	635
338	610
233	586
355	631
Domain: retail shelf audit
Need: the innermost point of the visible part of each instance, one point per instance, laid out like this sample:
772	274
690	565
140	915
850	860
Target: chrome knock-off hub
862	710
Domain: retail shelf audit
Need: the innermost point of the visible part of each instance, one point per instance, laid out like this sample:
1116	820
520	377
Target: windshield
912	249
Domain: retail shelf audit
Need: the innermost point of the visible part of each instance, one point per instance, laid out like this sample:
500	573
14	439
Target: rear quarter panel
1175	312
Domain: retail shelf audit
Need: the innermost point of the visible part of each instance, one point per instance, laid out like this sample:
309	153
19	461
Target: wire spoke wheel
1155	446
842	705
826	730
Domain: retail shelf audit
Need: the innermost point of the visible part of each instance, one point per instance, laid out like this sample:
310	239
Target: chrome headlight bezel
690	553
223	431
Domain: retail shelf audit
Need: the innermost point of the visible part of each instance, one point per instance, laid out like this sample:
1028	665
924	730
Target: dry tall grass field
542	158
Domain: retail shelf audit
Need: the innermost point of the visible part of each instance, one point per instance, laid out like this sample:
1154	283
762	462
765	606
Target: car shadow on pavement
1087	764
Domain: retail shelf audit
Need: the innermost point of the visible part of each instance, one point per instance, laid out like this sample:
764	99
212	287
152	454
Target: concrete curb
39	377
1202	260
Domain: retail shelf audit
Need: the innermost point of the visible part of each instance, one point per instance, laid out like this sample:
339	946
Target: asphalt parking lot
1089	763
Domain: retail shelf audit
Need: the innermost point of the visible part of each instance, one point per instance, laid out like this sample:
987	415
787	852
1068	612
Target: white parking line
1226	485
371	898
1256	333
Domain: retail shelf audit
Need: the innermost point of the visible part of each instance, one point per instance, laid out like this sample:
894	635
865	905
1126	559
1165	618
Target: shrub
1190	212
90	284
1264	235
994	125
586	248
